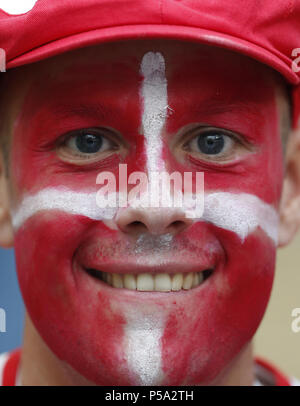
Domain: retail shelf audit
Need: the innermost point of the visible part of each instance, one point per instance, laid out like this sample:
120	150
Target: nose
156	221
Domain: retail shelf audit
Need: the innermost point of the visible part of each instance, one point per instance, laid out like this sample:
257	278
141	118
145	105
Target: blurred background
11	302
274	339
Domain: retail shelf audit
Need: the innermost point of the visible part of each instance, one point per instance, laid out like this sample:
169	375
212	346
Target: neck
240	372
40	367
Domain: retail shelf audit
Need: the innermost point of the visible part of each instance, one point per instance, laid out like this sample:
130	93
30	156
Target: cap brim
279	62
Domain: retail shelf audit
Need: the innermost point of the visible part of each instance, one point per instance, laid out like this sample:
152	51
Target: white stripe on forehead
240	213
155	100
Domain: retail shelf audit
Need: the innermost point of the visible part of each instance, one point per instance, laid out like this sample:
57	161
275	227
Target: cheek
205	332
76	320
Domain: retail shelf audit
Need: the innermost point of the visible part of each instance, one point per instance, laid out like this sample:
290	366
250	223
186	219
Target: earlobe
289	221
6	228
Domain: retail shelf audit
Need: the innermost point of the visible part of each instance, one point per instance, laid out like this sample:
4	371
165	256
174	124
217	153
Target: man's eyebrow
83	110
216	106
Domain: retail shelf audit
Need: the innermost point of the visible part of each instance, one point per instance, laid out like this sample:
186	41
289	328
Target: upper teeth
161	282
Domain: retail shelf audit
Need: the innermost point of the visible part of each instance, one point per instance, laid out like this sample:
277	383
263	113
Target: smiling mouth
147	282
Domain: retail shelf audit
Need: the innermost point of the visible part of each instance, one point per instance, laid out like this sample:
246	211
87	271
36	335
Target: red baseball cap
267	30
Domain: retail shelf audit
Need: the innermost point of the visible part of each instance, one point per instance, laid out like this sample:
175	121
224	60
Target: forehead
200	78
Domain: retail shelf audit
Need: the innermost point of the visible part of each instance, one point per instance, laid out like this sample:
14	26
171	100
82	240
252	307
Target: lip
154	268
92	259
95	275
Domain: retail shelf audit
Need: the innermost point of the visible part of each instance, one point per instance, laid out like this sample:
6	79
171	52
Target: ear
6	228
290	201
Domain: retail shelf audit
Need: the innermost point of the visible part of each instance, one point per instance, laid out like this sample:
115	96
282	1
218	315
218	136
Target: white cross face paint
155	99
65	200
15	7
240	213
143	350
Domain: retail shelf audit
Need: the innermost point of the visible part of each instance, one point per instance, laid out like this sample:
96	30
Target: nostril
135	226
155	221
136	223
176	226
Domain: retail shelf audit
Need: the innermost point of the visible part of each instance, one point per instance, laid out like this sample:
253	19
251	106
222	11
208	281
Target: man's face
155	106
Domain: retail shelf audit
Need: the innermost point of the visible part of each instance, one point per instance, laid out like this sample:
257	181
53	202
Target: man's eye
211	143
214	144
88	143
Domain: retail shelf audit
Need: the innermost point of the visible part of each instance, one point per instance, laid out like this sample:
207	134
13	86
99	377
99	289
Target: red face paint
89	324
